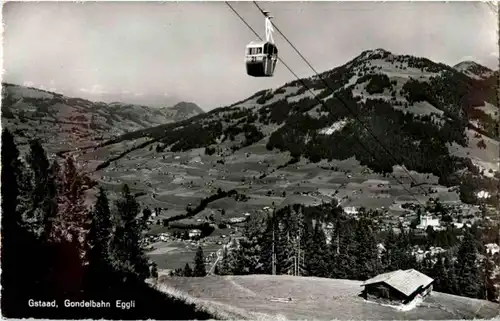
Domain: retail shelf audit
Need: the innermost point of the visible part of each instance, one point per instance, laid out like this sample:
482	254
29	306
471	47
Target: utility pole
274	254
298	256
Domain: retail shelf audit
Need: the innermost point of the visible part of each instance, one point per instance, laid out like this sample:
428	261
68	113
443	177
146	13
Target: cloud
95	90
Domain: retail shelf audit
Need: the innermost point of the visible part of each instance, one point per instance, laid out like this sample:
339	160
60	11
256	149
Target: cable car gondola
261	56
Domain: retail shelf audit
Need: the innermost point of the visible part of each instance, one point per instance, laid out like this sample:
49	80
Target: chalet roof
405	281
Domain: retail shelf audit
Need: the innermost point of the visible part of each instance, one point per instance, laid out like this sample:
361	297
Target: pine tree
265	242
308	248
217	270
291	226
42	211
99	238
366	252
451	275
440	275
238	261
488	286
74	217
390	256
199	263
146	214
468	274
318	266
246	257
154	270
128	256
15	276
223	267
187	272
283	249
345	260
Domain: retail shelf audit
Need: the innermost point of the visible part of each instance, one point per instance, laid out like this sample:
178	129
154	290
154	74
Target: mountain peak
373	54
473	69
187	107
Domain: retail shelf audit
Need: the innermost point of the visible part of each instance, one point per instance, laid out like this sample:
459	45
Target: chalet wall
383	291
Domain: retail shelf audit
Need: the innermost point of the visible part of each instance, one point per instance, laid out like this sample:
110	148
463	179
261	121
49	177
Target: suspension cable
343	103
323	103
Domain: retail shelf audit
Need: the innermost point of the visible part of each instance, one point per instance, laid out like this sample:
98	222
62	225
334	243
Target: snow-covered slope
473	69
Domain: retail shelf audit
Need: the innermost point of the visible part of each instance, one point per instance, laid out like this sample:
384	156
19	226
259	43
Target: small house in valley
194	233
401	286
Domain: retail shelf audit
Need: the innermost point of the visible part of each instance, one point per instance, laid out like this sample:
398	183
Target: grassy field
317	298
174	181
172	254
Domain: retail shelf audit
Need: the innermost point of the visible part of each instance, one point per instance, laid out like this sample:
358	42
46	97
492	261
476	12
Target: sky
159	53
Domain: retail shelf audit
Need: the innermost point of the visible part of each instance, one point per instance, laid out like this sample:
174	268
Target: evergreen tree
390	259
440	275
14	237
223	267
451	275
468	274
239	261
187	272
308	248
217	270
266	244
333	251
199	263
289	235
40	215
366	252
246	257
345	261
146	214
488	289
128	257
317	265
73	219
283	250
99	238
154	270
427	266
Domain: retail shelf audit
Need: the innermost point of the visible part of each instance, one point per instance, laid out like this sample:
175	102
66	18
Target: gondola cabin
261	58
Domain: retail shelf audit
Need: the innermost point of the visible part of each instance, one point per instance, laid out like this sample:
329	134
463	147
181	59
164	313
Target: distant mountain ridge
187	108
432	117
75	121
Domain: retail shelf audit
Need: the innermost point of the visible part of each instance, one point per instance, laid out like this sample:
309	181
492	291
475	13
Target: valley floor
258	297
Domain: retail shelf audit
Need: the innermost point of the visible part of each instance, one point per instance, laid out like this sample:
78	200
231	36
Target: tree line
350	250
54	247
199	269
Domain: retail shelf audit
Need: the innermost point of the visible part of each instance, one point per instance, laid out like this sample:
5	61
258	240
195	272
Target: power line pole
274	254
298	256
